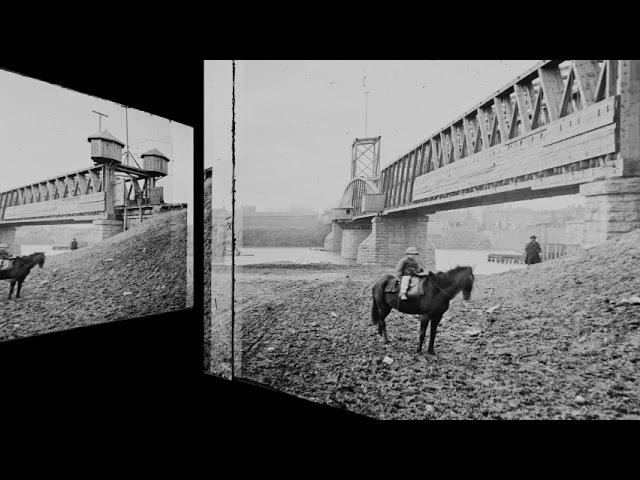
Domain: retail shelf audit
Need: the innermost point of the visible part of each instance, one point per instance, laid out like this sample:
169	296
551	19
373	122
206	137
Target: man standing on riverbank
532	250
406	267
74	245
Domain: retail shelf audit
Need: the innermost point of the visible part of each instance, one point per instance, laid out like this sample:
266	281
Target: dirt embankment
559	340
140	272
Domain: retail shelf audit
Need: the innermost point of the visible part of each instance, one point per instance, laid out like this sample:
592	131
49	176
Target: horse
20	268
439	289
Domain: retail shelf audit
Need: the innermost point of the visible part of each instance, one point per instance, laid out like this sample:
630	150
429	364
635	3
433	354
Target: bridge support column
333	242
391	235
612	208
106	228
352	237
8	236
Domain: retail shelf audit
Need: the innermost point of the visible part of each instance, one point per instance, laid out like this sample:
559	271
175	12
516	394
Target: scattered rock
492	309
473	332
346	388
579	399
334	314
270	349
387	360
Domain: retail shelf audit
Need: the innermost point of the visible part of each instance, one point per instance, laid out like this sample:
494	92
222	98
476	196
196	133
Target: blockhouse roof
105	135
155	152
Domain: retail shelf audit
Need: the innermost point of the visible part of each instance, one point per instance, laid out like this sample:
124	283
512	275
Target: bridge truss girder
82	183
545	105
74	184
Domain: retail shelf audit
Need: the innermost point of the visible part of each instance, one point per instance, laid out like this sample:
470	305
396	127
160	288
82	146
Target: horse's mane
444	279
28	258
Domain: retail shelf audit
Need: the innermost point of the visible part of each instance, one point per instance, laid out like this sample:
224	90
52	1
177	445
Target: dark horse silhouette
19	270
439	289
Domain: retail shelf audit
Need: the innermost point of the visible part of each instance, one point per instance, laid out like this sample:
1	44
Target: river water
46	249
445	258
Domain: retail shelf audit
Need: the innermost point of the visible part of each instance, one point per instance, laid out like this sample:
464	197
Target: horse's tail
375	316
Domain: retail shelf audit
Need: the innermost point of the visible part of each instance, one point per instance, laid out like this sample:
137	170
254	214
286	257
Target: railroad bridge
562	127
110	194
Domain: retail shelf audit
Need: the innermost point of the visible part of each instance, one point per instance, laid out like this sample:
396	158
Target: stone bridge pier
333	241
353	234
382	240
103	229
8	236
612	208
391	235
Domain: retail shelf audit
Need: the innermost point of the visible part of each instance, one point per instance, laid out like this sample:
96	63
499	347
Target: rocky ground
208	225
140	272
219	342
559	340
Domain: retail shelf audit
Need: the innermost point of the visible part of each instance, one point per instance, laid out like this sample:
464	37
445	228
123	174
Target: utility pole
100	120
366	105
127	154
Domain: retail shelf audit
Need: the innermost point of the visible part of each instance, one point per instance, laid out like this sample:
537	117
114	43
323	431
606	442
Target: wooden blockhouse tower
134	191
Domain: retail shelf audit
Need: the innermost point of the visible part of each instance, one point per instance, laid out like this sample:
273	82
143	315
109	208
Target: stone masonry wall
391	236
333	242
106	228
612	208
351	240
366	250
8	236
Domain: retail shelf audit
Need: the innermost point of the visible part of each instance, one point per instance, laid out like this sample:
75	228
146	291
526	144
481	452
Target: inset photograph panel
454	176
94	210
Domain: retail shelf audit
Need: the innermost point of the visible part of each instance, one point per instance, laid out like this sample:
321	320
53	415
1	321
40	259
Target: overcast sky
296	121
44	130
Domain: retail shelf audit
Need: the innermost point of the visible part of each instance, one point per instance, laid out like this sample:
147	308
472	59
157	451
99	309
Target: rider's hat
533	236
411	251
4	245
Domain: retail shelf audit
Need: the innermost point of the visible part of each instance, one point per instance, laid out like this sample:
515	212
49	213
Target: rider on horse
4	256
406	267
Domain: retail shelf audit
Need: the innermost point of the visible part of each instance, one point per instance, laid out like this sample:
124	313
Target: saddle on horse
6	263
416	285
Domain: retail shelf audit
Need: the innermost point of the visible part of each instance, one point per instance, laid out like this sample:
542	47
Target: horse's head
465	281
